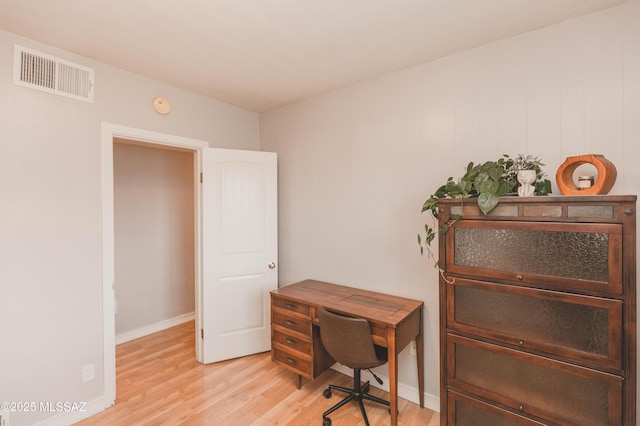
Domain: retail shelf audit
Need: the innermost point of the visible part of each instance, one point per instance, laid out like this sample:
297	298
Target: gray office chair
349	341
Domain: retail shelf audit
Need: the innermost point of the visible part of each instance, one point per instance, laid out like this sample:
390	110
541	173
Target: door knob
272	265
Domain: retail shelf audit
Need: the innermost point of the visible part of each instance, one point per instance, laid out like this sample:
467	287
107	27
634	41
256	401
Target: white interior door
239	252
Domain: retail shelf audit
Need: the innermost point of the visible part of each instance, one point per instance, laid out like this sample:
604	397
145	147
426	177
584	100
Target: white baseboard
409	393
154	328
68	418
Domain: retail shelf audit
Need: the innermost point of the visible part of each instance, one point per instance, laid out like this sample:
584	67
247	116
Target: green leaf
487	202
505	187
430	204
469	167
465	186
440	192
430	238
490	186
543	187
495	172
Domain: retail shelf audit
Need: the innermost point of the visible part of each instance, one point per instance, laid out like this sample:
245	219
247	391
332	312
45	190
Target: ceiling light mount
161	105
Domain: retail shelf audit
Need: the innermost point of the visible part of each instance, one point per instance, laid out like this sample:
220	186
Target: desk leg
420	358
393	376
299	381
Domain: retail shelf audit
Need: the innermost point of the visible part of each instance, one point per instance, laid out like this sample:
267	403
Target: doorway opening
123	138
154	237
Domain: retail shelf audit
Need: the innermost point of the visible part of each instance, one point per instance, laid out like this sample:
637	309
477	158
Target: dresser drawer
291	305
533	385
298	363
292	341
563	325
291	322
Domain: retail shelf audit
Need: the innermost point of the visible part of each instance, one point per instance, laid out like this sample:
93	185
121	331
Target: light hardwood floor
159	382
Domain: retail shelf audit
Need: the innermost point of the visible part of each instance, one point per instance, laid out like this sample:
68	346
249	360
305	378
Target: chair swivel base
358	393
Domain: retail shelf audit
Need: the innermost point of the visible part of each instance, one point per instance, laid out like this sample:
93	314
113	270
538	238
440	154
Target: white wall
356	165
50	217
154	235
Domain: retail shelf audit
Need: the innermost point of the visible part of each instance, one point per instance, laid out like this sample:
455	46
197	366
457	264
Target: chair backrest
348	340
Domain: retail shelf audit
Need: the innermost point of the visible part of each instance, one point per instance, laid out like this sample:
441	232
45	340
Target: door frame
108	133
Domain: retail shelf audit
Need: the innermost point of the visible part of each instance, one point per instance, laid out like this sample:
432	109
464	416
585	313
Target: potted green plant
488	182
527	171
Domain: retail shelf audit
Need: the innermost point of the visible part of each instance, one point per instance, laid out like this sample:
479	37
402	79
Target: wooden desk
295	336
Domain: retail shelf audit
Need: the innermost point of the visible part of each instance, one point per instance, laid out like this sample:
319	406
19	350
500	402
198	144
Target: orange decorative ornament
607	175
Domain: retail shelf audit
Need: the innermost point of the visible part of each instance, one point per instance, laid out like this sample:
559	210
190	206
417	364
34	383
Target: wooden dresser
538	312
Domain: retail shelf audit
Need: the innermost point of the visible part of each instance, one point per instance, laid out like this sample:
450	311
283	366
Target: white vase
526	178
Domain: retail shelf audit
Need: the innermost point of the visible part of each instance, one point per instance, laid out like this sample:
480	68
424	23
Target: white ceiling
260	54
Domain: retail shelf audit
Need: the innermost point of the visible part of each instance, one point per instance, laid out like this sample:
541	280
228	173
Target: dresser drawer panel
465	411
295	323
581	256
567	325
291	305
292	341
534	385
296	362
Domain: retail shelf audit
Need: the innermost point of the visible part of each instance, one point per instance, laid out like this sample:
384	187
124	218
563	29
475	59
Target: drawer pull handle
291	361
291	323
521	342
291	341
521	408
520	277
290	306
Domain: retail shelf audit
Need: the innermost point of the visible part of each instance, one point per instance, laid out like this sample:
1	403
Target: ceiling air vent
52	75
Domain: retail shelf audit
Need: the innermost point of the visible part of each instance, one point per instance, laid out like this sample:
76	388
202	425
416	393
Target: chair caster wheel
327	394
326	421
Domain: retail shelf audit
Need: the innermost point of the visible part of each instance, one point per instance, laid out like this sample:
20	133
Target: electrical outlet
412	348
88	373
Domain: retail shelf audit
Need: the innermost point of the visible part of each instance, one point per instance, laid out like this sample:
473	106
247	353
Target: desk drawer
290	305
300	325
291	341
300	364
